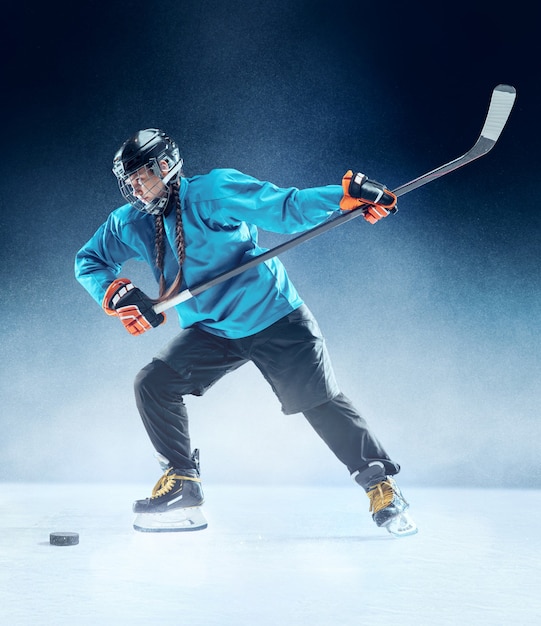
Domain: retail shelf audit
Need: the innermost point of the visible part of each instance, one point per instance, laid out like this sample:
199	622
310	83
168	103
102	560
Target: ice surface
270	557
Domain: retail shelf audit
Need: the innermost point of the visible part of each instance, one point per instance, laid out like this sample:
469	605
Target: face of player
147	186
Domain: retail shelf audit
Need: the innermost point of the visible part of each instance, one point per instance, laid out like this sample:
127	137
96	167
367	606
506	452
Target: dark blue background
436	310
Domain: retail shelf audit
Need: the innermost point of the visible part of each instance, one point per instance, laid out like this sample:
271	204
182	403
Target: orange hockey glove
132	306
359	189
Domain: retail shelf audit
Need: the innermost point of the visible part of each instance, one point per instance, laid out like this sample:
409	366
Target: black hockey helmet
143	152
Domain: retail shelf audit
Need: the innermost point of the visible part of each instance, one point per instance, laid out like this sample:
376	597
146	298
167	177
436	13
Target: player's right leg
190	364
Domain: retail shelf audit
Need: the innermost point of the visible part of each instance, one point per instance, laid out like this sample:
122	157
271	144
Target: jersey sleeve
242	198
100	260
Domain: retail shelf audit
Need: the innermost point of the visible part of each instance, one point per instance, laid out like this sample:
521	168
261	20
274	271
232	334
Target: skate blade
402	526
176	520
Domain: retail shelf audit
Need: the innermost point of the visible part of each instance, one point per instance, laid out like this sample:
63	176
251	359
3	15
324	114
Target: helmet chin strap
161	204
172	172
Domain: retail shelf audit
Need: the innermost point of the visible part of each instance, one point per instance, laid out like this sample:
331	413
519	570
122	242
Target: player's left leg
293	357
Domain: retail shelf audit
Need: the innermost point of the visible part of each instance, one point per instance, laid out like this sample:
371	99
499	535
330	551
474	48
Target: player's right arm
99	262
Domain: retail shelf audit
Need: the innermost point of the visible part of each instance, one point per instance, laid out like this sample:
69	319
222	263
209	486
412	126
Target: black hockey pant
292	356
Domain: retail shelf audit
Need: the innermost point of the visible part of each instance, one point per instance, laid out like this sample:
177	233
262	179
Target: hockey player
189	230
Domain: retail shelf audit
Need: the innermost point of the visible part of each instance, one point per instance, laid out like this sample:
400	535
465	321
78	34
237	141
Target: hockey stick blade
501	104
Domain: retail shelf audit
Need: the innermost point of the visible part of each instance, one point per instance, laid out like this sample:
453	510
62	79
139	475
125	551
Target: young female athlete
189	230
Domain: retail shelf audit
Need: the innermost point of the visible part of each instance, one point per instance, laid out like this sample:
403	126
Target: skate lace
166	483
381	495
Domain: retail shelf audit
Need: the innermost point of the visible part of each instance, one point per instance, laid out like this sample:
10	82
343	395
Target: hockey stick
501	103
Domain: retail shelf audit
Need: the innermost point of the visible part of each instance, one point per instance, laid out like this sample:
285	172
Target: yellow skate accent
381	495
167	482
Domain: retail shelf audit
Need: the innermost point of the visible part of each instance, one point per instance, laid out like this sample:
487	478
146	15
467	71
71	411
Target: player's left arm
291	210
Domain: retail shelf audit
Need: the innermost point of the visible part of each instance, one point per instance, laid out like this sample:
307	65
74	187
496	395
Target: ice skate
174	506
389	508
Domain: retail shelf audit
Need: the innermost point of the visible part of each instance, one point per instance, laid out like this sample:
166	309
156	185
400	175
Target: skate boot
175	503
388	508
387	504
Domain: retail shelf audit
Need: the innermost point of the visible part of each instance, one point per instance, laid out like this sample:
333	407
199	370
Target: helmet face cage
137	162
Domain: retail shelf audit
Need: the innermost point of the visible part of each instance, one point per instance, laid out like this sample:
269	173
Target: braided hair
166	293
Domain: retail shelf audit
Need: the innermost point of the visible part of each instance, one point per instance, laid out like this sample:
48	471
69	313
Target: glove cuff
359	189
116	290
357	181
351	185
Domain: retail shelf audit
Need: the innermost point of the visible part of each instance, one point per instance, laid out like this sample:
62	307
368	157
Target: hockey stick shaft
501	103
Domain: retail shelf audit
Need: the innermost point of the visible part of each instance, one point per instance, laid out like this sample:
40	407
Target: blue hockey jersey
221	212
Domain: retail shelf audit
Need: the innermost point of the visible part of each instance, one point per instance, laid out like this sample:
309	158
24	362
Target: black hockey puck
64	539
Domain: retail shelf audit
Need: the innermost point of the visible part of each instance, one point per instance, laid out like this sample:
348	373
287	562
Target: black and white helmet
138	161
